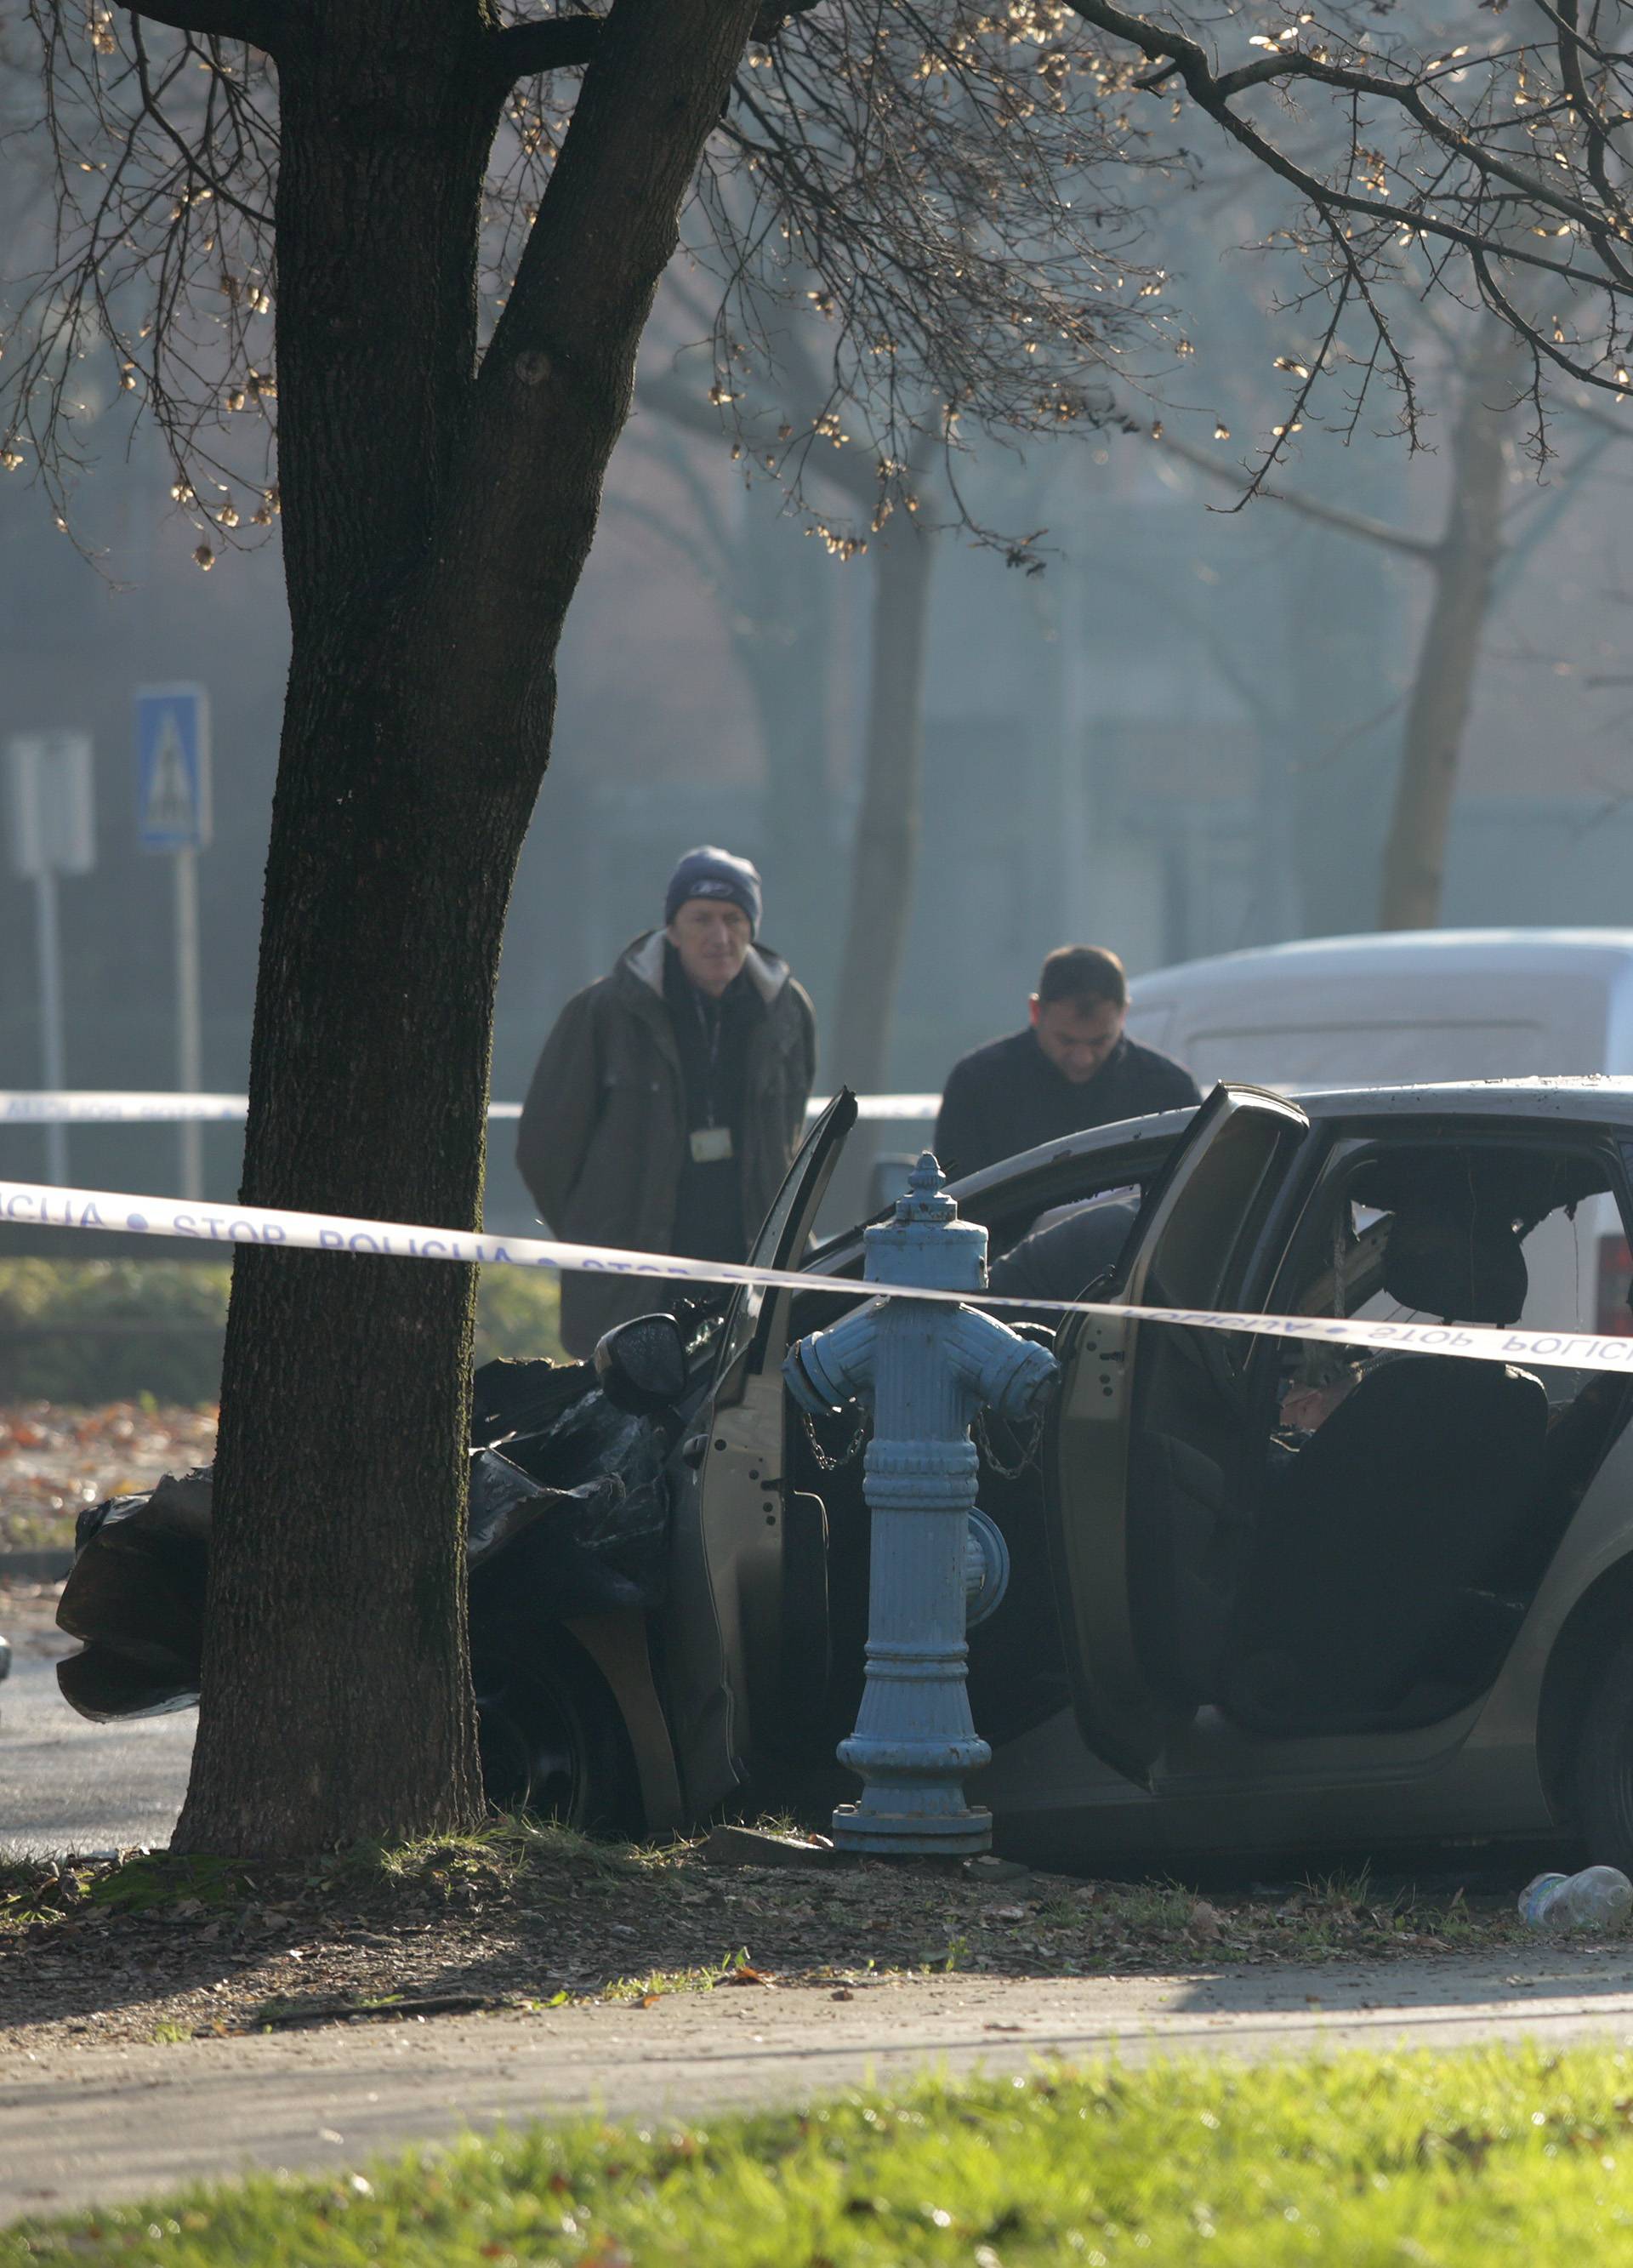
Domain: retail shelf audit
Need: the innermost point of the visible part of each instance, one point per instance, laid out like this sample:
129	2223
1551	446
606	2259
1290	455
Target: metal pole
190	1143
50	1015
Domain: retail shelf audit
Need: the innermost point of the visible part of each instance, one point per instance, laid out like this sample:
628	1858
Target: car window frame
1348	1143
783	1234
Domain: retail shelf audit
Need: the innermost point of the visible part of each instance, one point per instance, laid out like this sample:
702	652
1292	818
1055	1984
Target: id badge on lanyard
710	1144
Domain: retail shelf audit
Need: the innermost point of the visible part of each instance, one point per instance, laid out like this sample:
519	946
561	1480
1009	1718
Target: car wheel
553	1743
1604	1787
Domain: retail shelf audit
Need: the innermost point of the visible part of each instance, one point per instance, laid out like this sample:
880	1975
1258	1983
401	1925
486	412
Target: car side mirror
640	1366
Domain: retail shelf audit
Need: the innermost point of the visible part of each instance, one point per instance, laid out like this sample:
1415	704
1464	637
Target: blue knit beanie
711	873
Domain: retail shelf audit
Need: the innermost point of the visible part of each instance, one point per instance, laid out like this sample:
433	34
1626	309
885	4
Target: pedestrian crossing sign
173	767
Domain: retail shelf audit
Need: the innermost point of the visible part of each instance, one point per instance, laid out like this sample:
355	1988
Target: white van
1420	1004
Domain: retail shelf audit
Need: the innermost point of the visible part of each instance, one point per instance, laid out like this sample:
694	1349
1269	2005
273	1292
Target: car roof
1591	1098
1590	1095
1603	953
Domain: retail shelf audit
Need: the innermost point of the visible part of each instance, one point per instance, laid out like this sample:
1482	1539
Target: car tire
1604	1772
553	1743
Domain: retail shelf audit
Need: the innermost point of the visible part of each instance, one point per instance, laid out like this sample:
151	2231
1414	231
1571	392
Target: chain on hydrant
937	1563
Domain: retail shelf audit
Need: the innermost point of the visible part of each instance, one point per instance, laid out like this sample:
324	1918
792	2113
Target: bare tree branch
1213	91
189	155
522	50
668	393
1613	429
956	195
775	14
1496	208
1347	523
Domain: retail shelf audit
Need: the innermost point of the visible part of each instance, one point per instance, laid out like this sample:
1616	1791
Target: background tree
1489	527
779	604
963	184
898	547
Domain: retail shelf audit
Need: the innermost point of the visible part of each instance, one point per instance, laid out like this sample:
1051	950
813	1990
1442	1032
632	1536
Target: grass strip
88	1332
1498	2152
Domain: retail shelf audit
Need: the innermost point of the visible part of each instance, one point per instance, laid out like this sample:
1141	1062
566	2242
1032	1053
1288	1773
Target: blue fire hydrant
937	1563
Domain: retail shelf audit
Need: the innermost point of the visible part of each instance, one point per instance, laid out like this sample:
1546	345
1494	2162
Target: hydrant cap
925	1198
925	1241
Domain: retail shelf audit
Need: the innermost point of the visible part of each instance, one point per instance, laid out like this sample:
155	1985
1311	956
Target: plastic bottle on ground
1597	1899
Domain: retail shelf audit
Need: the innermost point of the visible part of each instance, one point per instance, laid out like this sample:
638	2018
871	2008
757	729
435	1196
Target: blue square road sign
173	767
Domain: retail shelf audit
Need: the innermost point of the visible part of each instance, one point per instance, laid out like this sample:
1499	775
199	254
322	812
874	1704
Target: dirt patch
54	1460
155	1949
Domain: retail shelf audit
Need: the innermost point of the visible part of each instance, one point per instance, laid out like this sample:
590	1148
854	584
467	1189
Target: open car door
1147	1499
733	1522
754	1341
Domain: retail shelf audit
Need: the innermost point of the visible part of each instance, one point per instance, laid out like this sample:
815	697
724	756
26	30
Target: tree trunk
777	590
436	522
1414	865
885	858
782	598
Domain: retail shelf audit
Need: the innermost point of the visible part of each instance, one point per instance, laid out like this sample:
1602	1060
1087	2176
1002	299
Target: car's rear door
733	1517
1144	1515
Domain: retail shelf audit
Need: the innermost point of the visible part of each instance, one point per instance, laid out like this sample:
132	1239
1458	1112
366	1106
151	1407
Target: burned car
1263	1594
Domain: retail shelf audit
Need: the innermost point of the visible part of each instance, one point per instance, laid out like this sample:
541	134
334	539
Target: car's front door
1147	1505
731	1525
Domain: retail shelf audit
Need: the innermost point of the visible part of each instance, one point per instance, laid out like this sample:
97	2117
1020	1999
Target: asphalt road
67	1786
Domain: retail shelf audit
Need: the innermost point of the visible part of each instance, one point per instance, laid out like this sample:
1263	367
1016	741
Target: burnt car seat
1392	1525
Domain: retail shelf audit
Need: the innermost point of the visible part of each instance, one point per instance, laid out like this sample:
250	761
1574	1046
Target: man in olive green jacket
670	1097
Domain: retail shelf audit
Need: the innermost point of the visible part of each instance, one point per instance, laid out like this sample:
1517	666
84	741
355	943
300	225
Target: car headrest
1464	1266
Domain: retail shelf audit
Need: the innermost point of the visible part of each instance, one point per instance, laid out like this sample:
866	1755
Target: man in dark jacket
1072	1068
669	1098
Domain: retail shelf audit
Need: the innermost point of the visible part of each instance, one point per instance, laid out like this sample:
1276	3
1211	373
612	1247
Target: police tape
41	1206
93	1106
97	1107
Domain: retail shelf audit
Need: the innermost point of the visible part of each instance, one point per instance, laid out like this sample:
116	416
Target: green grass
517	1312
1501	2153
658	1982
1148	1905
55	1297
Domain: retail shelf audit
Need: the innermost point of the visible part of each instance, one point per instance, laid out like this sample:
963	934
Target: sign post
51	823
172	816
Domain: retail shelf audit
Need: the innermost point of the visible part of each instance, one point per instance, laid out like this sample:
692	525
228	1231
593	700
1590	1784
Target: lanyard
710	1024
